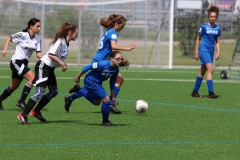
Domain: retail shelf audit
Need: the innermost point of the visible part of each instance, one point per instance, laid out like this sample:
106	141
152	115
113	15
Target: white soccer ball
141	106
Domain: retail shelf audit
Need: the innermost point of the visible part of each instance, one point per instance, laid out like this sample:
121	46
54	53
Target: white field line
150	79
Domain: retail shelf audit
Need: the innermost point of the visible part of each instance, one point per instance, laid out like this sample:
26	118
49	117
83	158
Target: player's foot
212	95
195	94
1	107
38	115
23	119
21	104
75	88
67	103
113	109
108	124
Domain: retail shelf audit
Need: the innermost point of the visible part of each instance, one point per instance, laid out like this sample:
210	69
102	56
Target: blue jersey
105	48
209	35
101	71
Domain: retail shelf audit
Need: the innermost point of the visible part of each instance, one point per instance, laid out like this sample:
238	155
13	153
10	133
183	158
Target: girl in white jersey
27	42
44	72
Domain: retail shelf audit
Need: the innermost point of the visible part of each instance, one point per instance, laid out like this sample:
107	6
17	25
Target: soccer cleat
1	107
67	103
114	109
75	88
23	119
38	115
212	95
195	94
21	104
108	124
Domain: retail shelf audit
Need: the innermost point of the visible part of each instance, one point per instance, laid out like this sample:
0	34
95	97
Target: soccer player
27	42
93	90
114	24
44	72
209	34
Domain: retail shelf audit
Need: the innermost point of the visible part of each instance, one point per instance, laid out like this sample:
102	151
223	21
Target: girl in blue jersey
92	90
27	42
114	24
209	34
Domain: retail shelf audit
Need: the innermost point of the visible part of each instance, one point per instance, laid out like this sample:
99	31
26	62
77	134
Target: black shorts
19	68
44	75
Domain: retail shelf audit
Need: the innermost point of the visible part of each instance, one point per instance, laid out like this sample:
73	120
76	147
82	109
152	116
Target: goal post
234	66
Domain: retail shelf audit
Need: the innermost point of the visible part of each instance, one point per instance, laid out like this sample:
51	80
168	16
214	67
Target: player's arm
217	48
196	55
39	54
84	70
115	46
58	61
4	51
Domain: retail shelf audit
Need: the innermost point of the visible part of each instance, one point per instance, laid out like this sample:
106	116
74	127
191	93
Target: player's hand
114	101
77	79
196	56
64	67
132	46
217	56
4	53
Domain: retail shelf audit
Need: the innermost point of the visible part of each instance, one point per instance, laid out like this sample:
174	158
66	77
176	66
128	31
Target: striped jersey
25	45
59	49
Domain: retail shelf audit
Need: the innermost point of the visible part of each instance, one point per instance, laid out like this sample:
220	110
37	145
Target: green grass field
176	126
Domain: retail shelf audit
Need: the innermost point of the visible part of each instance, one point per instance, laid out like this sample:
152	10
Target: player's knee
52	93
38	94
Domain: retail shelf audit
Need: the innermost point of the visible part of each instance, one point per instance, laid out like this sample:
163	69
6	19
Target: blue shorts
96	90
205	57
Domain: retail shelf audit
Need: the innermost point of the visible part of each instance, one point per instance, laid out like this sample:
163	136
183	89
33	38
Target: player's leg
198	81
9	90
210	71
118	84
29	75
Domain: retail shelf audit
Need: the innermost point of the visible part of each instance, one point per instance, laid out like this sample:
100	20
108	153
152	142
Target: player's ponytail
31	22
63	31
112	19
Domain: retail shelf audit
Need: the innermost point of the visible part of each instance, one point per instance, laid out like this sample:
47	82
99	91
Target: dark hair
63	31
31	22
113	18
213	9
124	62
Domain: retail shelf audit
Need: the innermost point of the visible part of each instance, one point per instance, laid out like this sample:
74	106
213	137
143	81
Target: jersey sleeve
112	36
17	37
201	30
219	32
56	47
39	45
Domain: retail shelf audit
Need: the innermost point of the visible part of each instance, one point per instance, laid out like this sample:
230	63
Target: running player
44	70
27	42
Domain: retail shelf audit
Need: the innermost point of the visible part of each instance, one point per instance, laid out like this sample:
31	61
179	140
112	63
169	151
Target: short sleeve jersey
105	48
59	49
101	71
25	45
209	35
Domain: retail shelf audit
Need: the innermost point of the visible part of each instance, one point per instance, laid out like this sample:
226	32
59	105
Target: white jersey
59	49
25	45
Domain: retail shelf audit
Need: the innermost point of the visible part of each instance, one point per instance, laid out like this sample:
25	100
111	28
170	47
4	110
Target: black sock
26	91
30	104
6	93
42	103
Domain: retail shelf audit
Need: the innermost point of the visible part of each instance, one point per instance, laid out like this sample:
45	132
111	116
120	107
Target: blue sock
84	92
210	85
116	91
105	111
197	83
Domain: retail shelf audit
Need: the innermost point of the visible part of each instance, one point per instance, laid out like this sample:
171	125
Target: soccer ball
141	106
